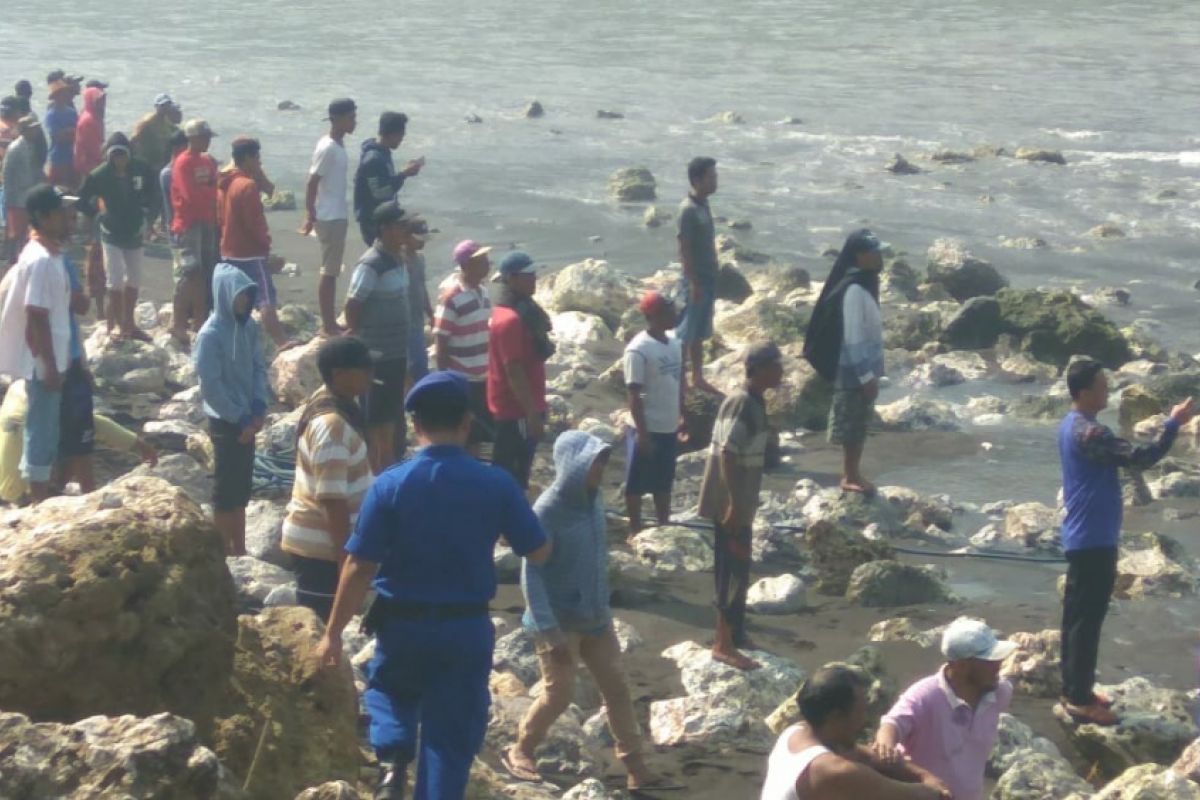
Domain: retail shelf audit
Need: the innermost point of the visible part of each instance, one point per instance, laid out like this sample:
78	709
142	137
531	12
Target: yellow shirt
12	441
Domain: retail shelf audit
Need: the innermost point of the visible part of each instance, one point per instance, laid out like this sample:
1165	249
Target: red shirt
193	191
508	342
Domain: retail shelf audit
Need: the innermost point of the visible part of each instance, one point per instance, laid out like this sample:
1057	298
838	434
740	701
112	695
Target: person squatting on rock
729	496
844	343
653	366
194	224
424	540
947	723
819	758
376	180
333	472
460	328
567	610
233	386
36	300
121	195
698	255
245	237
377	312
519	344
327	211
1091	456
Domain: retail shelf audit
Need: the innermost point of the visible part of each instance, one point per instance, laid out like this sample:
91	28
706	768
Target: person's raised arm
1098	443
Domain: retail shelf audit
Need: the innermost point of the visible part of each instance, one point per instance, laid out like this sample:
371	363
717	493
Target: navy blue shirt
1091	454
432	522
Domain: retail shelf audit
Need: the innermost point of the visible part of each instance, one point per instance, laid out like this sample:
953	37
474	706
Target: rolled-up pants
428	682
733	552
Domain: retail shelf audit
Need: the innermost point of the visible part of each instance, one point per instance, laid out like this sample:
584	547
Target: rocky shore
136	661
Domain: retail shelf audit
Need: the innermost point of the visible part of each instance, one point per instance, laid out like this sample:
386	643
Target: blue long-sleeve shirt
1091	455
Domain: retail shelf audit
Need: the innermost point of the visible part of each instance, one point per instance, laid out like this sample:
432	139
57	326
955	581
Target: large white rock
756	691
696	720
1035	666
1014	741
673	548
264	532
255	579
783	594
580	329
293	374
1033	525
591	286
918	414
183	471
1149	782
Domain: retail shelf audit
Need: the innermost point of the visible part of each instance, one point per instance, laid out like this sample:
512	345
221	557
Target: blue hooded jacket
228	354
570	591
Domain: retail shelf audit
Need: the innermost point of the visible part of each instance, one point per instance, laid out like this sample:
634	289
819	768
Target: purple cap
465	250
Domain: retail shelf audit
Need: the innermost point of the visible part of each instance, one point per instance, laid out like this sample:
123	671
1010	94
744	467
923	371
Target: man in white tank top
819	759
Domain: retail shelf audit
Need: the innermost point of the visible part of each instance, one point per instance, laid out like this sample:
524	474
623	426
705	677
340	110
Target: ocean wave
1073	136
1185	157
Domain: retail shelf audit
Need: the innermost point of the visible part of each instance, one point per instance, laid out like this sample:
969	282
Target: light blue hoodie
228	354
570	591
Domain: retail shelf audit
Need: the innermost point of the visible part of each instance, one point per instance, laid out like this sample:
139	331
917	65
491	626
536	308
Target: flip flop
660	785
1092	715
517	771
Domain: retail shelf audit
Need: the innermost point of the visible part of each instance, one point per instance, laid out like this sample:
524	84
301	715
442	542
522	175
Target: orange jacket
244	232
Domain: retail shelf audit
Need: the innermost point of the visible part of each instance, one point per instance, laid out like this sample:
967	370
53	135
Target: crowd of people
363	517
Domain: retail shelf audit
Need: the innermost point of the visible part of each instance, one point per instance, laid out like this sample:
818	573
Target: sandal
1094	714
517	771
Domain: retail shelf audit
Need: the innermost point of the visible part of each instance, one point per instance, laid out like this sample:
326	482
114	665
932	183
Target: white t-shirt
656	367
39	279
333	165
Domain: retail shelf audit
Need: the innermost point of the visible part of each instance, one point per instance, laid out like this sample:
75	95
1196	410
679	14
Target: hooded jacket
375	181
89	132
228	354
244	231
570	591
129	200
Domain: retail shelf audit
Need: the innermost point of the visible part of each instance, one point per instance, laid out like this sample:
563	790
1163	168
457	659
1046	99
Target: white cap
972	638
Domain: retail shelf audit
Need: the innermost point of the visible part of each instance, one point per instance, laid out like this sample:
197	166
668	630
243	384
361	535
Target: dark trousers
732	555
316	584
1091	575
513	450
428	688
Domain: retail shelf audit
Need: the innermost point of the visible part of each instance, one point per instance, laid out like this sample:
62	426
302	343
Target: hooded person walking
567	610
844	344
233	385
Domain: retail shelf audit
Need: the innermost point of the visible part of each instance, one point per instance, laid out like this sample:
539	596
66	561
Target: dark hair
245	147
1081	374
392	122
698	167
342	352
55	75
440	411
23	88
178	139
829	691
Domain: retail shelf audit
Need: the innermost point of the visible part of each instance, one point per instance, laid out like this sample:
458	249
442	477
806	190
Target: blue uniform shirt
432	522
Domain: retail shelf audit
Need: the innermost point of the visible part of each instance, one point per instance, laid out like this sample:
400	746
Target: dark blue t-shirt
432	522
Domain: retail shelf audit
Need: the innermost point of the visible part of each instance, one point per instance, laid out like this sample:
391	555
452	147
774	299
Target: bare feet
1095	714
331	331
858	486
520	765
1102	699
734	659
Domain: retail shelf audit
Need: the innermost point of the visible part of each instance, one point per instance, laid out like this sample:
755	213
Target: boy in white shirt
327	206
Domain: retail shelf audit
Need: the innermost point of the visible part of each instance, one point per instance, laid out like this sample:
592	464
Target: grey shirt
20	172
380	283
698	239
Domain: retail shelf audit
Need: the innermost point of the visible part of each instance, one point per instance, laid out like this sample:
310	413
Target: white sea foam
1073	136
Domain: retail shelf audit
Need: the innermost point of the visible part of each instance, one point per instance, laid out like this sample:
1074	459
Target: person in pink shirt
947	723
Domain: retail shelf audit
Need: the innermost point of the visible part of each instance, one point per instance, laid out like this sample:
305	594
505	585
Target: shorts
653	473
41	431
124	266
849	416
385	400
77	425
233	466
696	322
513	451
316	584
256	270
482	425
331	234
197	250
62	175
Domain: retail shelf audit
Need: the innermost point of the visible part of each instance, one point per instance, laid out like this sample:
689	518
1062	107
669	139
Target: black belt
383	610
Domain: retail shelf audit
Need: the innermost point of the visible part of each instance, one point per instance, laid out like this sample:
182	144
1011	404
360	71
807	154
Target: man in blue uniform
424	538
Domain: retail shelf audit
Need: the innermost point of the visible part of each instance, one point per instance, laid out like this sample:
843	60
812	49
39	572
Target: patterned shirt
331	464
463	316
741	429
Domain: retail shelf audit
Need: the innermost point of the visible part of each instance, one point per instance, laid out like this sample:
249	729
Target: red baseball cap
652	302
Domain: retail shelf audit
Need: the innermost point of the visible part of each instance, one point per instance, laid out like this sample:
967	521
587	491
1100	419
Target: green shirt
129	200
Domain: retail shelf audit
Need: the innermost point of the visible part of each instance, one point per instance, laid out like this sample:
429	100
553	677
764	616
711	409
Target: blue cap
515	263
861	241
440	387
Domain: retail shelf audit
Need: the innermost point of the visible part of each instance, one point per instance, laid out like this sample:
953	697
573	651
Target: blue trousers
428	682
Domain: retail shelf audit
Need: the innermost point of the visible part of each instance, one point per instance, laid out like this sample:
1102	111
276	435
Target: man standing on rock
327	210
1091	456
729	496
460	330
948	723
654	381
232	373
377	312
376	180
425	537
844	344
152	134
698	255
333	472
194	223
519	345
820	758
60	121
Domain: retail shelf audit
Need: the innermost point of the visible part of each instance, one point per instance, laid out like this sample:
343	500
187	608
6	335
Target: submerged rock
633	185
727	118
1106	230
1039	154
918	414
885	584
534	110
655	217
899	165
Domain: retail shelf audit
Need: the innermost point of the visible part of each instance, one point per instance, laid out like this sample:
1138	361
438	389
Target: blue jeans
428	681
41	431
696	321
